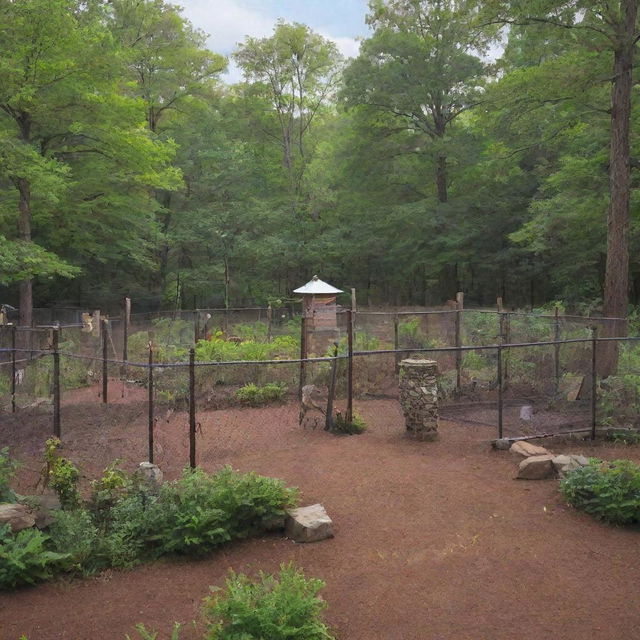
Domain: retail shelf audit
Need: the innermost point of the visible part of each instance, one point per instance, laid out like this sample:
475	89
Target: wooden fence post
56	382
459	309
192	408
349	415
303	355
125	336
150	400
500	398
269	322
105	367
13	368
396	341
332	389
196	326
594	381
556	349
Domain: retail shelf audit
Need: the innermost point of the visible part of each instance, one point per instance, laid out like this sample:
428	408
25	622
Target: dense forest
486	147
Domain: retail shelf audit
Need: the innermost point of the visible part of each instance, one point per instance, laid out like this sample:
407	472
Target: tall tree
423	65
610	27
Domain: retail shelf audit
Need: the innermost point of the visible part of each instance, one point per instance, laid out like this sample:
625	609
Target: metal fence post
125	336
150	425
500	398
349	414
192	408
594	381
105	353
303	355
56	383
269	322
556	349
458	338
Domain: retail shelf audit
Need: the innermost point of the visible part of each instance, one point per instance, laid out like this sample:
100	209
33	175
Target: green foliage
607	490
8	468
24	558
207	510
61	474
256	396
624	437
285	606
342	426
75	534
147	634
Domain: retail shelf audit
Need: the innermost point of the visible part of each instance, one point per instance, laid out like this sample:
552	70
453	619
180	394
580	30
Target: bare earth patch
432	541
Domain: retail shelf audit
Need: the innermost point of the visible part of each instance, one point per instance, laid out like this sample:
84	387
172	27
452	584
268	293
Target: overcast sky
228	21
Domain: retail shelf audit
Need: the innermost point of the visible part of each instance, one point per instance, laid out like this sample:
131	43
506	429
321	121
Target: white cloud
226	22
348	47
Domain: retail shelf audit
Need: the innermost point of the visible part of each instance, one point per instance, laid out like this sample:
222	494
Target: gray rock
19	516
152	473
526	412
308	524
536	468
526	449
503	444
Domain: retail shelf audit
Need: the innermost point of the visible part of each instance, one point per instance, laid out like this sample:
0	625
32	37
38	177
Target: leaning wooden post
332	389
13	368
594	381
105	367
459	309
56	382
269	322
556	349
192	408
303	355
349	414
151	418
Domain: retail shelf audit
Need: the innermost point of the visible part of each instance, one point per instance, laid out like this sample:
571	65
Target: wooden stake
332	389
349	414
13	368
303	355
105	369
56	383
150	400
458	328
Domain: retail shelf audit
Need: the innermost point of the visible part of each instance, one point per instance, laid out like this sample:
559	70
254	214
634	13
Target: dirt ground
433	541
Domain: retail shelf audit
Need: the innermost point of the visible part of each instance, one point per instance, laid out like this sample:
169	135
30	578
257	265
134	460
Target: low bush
61	475
343	427
278	607
607	490
255	396
25	558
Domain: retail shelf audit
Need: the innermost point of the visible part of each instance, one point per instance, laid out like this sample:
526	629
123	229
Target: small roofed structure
319	310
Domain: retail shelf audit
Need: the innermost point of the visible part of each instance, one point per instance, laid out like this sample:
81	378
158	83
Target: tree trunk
616	287
441	177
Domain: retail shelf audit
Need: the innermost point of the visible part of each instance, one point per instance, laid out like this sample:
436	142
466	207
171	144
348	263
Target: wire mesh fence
522	375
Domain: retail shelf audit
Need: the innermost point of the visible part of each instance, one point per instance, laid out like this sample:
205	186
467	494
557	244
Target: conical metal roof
315	285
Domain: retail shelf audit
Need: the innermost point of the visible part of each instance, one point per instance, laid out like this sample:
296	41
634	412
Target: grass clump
257	396
609	491
344	427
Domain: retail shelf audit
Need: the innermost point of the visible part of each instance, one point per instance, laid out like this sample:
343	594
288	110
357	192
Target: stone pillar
419	397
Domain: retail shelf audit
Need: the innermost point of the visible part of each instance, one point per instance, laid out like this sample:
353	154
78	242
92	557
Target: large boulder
536	468
526	449
308	524
19	516
565	463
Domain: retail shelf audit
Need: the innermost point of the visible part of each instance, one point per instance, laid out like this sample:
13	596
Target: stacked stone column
419	398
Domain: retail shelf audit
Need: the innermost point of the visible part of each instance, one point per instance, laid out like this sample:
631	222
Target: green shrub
282	607
607	490
256	396
207	510
8	468
24	558
624	436
75	534
343	427
61	475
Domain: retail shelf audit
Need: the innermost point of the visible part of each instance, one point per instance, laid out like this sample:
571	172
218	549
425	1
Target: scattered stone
19	516
503	444
308	524
152	473
536	468
526	449
526	413
419	397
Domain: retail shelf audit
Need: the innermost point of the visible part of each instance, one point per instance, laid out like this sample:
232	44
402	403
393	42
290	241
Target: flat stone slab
19	516
308	524
526	449
536	468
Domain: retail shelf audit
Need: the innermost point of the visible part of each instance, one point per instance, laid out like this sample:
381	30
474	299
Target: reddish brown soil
434	541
